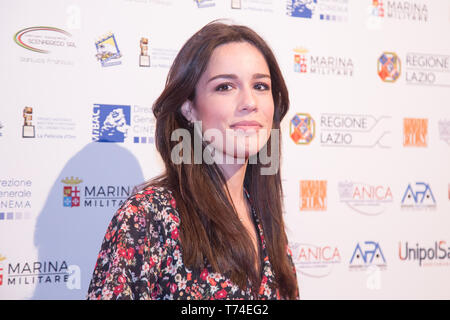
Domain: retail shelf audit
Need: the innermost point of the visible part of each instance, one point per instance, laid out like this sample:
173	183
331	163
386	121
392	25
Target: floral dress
141	257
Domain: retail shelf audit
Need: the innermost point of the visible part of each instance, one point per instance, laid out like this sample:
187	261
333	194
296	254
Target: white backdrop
366	142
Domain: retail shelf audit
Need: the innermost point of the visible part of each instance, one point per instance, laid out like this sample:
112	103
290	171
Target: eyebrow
233	76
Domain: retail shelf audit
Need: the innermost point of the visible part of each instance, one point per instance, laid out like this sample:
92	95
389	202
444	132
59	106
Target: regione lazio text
365	163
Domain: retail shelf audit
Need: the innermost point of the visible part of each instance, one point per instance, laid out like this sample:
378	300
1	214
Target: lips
246	125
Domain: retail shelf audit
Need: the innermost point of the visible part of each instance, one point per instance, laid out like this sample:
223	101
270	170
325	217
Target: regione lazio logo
71	192
313	195
110	123
389	67
415	132
302	128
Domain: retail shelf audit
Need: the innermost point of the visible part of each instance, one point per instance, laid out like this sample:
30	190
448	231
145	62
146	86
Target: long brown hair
210	229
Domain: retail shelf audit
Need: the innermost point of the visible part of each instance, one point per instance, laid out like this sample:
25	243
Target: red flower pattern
140	257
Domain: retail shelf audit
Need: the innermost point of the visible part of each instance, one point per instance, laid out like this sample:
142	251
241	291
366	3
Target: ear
188	111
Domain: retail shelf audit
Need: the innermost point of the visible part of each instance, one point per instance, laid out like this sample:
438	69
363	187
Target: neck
234	175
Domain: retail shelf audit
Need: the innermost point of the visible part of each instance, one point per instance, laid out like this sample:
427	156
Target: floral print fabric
141	257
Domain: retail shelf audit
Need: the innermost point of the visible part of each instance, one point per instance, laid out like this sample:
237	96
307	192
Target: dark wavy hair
210	229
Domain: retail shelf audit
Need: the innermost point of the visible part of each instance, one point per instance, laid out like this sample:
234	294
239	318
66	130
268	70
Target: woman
208	229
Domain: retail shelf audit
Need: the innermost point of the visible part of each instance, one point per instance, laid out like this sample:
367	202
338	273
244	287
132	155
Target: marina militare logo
71	192
93	195
300	60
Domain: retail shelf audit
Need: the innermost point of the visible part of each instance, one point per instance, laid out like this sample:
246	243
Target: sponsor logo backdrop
366	151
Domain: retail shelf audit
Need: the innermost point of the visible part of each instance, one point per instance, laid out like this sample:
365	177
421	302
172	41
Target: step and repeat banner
366	142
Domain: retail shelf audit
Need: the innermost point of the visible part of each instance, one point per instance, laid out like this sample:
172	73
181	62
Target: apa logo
389	67
71	192
370	254
313	195
418	197
415	132
302	128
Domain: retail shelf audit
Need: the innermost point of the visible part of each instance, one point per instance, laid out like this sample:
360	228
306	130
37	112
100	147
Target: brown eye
262	86
224	87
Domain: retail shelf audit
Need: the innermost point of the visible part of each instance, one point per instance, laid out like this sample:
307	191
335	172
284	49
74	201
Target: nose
247	100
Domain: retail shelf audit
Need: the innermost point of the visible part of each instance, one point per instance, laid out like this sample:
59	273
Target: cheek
214	120
268	114
214	114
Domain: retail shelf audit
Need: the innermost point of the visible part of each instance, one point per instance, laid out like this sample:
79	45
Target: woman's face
233	100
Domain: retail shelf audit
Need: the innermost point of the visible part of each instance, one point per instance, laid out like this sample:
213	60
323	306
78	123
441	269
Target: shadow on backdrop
73	221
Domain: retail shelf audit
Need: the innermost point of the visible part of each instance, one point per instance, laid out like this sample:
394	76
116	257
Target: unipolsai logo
418	196
367	255
437	255
110	123
302	128
71	192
